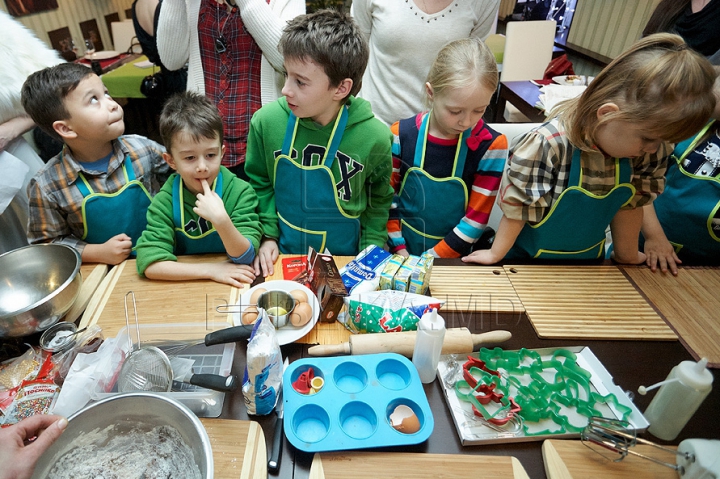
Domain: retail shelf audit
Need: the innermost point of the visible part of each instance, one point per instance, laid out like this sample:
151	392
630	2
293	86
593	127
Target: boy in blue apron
683	223
203	207
447	163
94	195
601	157
318	159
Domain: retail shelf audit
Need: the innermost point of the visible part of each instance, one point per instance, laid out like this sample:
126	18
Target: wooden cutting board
573	460
474	288
160	302
401	465
589	302
238	448
322	333
689	302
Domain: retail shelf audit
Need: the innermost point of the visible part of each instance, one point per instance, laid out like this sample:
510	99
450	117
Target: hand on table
231	273
19	452
266	256
661	253
113	251
481	256
210	206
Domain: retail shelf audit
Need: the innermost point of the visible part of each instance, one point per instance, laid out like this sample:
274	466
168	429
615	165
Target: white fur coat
21	53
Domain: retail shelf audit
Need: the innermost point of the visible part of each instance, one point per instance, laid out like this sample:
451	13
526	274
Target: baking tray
473	430
352	409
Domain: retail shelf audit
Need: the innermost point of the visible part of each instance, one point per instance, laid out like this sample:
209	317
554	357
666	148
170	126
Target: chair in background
122	34
496	44
528	50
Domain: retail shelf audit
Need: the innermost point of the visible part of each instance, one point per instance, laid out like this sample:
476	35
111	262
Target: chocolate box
325	280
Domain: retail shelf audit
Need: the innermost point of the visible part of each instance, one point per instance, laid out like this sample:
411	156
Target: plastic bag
387	311
263	369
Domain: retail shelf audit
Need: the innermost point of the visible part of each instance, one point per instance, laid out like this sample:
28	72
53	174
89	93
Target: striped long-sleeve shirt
482	173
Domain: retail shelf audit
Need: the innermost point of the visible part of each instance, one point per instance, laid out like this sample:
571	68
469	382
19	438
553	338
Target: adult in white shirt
405	37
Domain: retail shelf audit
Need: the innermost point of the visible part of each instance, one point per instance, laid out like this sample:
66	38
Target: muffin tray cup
352	409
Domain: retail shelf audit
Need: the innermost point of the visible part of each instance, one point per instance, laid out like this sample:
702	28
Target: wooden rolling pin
457	341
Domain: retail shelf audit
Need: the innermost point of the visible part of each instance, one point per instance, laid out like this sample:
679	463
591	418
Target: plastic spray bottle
679	397
428	345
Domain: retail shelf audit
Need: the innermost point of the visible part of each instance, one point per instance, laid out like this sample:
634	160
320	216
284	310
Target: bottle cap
432	320
695	374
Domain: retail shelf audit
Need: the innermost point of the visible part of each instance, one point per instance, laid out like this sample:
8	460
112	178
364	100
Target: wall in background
609	27
69	14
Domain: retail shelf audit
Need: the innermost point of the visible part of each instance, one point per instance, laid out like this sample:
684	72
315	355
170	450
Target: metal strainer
145	369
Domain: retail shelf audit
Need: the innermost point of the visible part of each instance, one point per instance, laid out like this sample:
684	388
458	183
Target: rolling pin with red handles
457	341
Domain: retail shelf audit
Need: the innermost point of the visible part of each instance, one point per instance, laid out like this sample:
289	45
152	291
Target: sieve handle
228	335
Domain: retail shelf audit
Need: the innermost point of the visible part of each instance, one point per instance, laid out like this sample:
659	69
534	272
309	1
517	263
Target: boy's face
94	115
195	160
308	91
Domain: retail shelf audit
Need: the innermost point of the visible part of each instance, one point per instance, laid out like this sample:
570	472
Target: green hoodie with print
361	169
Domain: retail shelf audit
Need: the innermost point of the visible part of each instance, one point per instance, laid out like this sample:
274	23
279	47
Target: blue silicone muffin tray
352	409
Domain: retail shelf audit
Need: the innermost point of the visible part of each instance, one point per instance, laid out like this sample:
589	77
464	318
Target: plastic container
428	345
216	359
352	409
684	390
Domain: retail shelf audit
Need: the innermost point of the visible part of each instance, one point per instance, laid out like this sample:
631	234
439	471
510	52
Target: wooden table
631	363
524	96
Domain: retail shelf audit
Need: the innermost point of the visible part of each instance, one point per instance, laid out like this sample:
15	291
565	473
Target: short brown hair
331	39
44	93
659	81
192	113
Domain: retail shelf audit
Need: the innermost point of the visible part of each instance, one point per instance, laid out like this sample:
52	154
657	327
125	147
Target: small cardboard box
325	280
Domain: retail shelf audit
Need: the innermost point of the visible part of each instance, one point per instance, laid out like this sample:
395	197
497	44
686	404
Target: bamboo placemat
322	333
689	302
591	302
161	302
238	448
474	288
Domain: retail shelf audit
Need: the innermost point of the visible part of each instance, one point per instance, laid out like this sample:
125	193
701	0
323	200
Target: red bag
559	66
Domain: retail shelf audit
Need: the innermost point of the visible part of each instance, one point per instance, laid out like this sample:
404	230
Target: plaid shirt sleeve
534	174
649	176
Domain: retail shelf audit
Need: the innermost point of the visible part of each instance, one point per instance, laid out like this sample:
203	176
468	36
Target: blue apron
688	205
185	243
575	226
431	207
309	211
106	215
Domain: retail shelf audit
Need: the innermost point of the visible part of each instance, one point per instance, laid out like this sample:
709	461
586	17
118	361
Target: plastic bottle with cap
428	345
680	395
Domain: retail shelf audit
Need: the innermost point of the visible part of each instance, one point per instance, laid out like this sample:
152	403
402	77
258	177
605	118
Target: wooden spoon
87	289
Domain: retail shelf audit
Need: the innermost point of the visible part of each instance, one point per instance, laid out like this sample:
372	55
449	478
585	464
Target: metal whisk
615	435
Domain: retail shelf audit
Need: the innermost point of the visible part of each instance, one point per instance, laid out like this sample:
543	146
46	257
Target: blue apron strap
461	154
687	146
421	142
623	170
127	167
217	187
336	136
290	131
177	200
575	178
84	186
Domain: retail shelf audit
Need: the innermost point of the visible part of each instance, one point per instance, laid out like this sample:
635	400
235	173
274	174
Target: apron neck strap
335	136
421	145
623	170
86	189
689	145
178	198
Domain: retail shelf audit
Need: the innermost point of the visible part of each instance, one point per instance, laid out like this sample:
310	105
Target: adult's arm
175	30
362	14
486	11
266	24
13	128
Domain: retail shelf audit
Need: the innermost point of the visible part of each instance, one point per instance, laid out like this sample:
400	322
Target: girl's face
457	109
624	139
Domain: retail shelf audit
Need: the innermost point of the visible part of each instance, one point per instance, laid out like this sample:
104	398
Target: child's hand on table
210	206
266	256
483	256
113	251
661	253
231	273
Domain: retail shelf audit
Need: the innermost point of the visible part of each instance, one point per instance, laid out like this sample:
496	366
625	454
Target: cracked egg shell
404	420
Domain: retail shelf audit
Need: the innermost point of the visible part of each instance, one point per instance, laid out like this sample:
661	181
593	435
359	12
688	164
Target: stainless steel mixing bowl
141	409
38	285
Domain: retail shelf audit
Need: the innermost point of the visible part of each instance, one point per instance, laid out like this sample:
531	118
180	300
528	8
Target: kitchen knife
183	372
276	451
457	341
228	335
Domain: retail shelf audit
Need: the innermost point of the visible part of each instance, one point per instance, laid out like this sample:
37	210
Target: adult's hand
22	444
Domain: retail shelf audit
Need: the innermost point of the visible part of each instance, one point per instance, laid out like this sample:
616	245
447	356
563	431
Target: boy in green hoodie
318	159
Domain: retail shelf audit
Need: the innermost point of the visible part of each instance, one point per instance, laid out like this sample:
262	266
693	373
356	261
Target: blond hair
461	64
659	82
